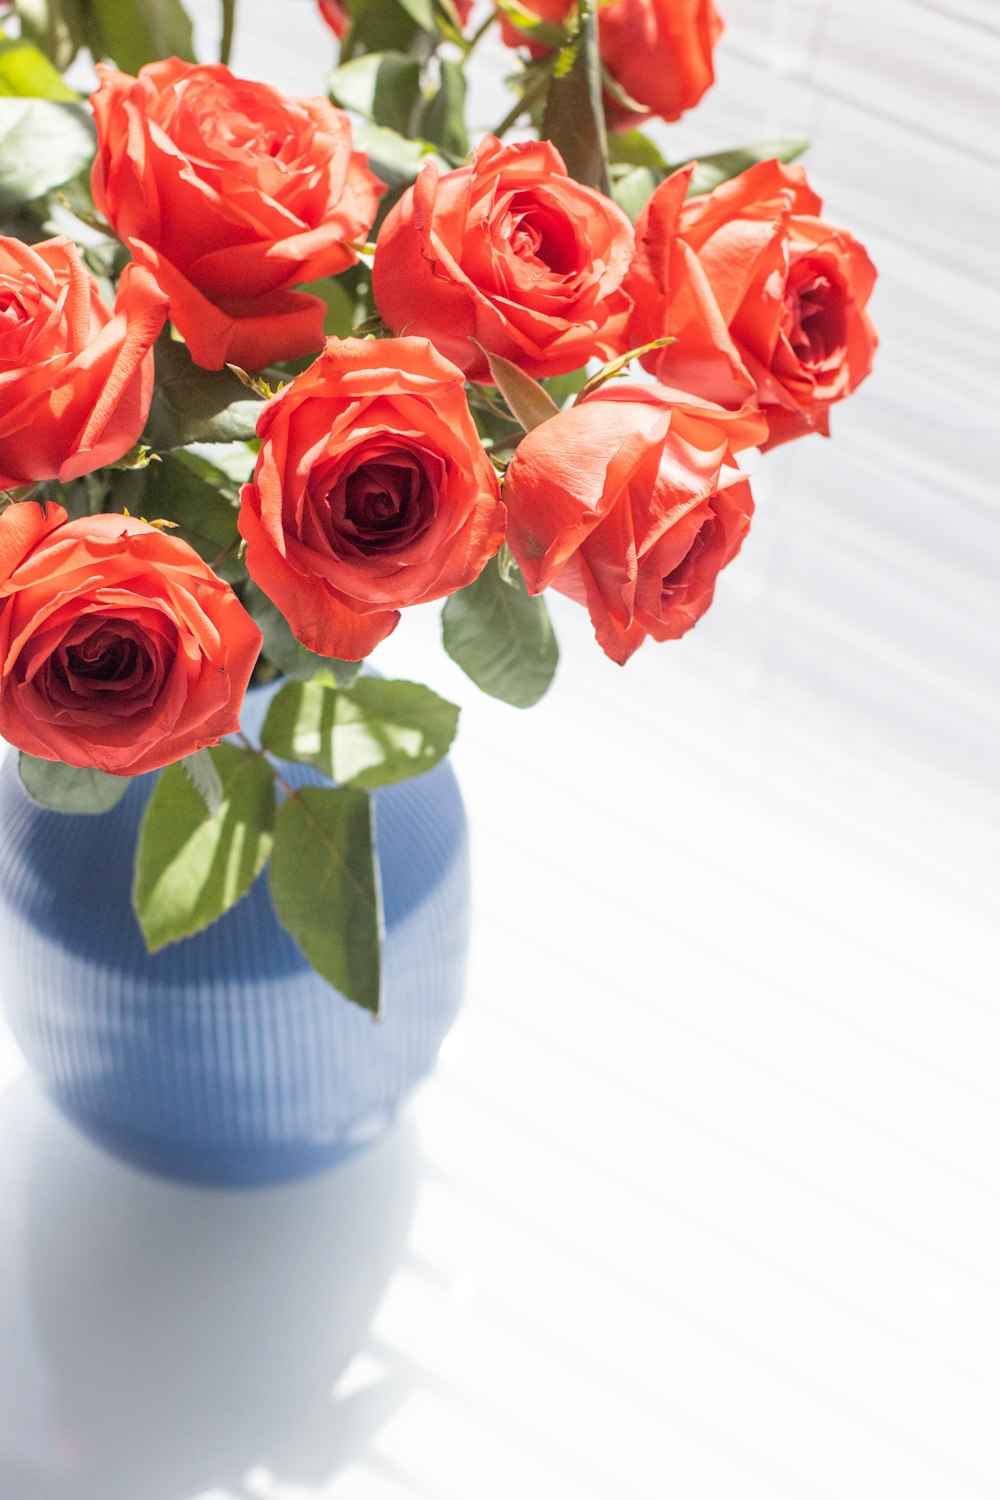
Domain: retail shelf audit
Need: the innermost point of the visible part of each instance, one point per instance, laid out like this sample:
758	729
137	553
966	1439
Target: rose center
108	658
383	503
536	232
815	313
104	658
12	309
15	321
677	580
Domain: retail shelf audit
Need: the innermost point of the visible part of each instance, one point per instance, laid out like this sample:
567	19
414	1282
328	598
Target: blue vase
224	1058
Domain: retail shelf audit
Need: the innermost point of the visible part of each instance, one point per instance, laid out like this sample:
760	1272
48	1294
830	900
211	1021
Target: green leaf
722	165
382	86
325	887
43	143
389	730
348	301
200	769
574	111
198	497
70	789
529	402
282	649
373	734
134	32
633	190
340	306
380	26
192	405
393	157
26	72
353	84
634	149
422	13
617	366
561	387
443	120
501	637
191	865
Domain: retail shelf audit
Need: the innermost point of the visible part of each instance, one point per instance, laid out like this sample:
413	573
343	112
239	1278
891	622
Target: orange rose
230	193
119	647
631	503
372	491
658	52
511	251
764	298
75	379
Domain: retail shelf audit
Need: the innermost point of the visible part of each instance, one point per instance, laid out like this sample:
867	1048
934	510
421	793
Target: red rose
372	491
764	298
512	251
75	379
631	503
119	647
230	193
658	52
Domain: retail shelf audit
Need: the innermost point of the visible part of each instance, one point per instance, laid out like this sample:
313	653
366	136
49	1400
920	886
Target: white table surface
704	1199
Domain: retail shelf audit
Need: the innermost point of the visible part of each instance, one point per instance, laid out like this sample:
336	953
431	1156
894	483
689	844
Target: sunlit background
703	1202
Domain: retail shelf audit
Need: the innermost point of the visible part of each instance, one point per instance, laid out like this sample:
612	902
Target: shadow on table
158	1341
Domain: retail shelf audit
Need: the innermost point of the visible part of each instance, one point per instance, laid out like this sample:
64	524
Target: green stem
228	25
533	90
480	32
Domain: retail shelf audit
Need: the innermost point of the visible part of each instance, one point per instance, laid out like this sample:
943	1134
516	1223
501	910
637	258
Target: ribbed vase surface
224	1058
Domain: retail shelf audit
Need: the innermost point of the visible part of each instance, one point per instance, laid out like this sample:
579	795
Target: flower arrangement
275	369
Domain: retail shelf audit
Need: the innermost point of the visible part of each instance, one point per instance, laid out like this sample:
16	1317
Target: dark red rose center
383	502
105	657
537	232
815	313
109	660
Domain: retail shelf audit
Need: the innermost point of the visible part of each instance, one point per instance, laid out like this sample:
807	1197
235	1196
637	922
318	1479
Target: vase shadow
159	1341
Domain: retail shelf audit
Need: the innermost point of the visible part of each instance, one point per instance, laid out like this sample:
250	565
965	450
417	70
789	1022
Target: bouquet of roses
274	369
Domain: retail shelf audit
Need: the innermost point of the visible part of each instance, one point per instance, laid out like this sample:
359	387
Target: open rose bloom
76	379
763	299
510	251
231	194
119	649
305	363
372	491
631	503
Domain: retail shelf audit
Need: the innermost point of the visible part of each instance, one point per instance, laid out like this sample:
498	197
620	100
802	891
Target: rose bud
230	194
764	298
657	52
119	648
631	503
372	491
76	378
509	250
